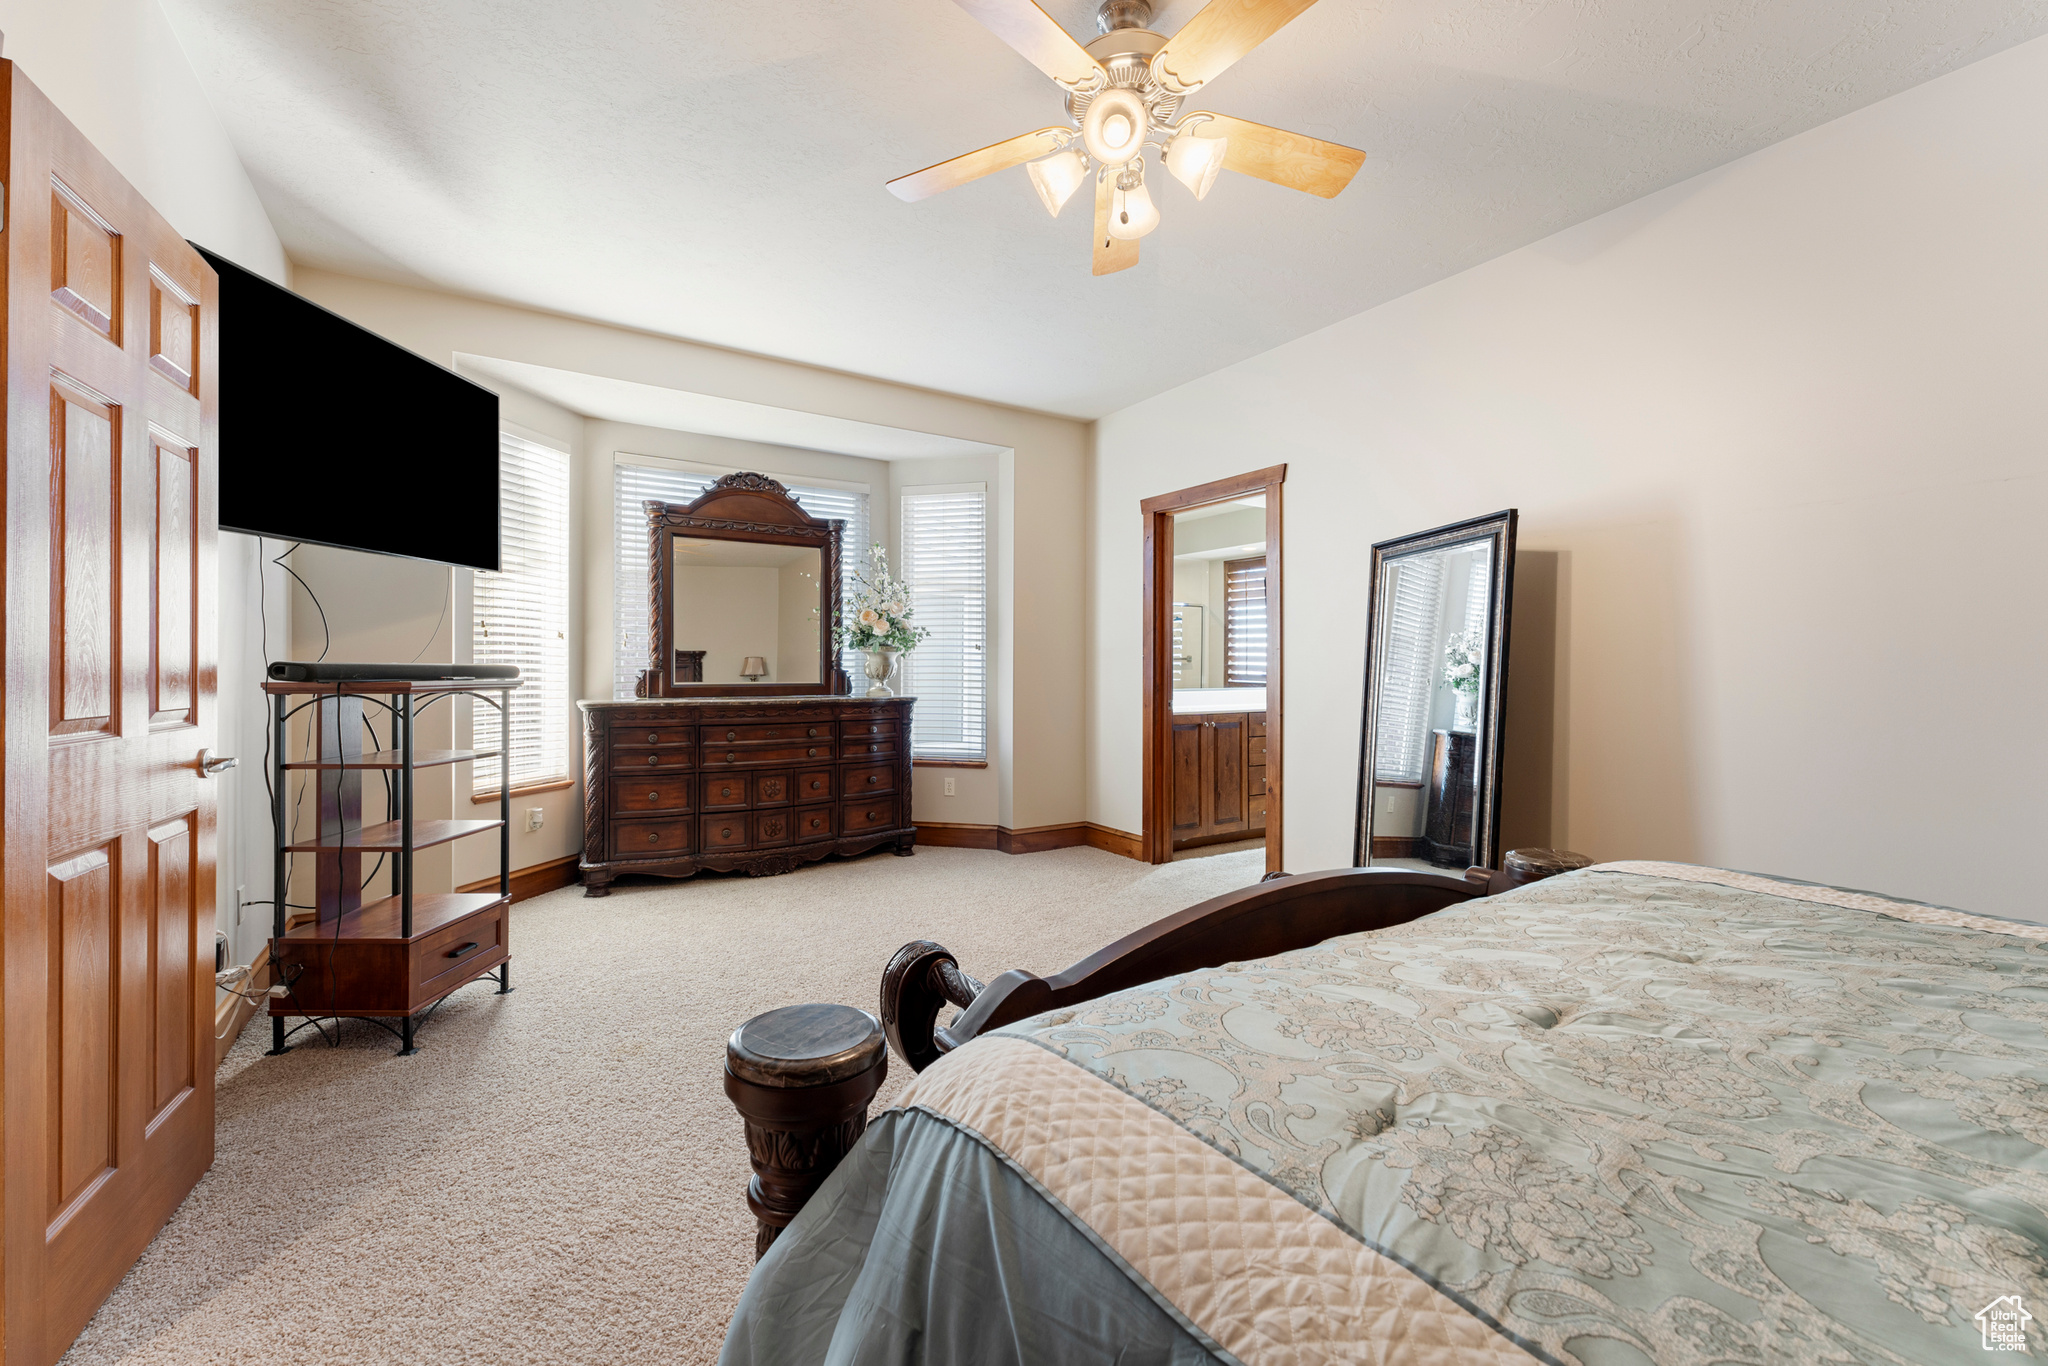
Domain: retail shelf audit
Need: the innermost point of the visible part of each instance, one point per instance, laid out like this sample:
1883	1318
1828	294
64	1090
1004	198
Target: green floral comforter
1640	1115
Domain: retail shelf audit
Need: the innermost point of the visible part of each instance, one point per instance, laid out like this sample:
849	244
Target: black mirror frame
1500	526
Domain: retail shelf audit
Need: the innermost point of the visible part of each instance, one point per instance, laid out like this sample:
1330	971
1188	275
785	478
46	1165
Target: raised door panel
174	921
1186	754
84	1028
1227	812
85	263
173	332
85	440
174	624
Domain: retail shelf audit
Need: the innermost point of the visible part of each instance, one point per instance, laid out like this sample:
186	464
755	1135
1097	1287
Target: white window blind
633	485
1408	667
1244	623
945	564
520	615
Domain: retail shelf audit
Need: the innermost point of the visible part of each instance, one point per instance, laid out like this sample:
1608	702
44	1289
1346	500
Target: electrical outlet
241	900
949	784
535	815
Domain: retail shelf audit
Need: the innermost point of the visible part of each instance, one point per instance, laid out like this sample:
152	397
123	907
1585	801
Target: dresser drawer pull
814	732
811	753
653	836
730	756
874	777
726	833
874	749
725	792
816	784
459	951
732	735
871	815
654	796
652	737
653	758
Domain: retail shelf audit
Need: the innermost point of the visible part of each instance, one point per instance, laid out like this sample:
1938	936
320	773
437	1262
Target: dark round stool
801	1078
1533	865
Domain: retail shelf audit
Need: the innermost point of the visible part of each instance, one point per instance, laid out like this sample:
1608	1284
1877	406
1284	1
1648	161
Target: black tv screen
330	434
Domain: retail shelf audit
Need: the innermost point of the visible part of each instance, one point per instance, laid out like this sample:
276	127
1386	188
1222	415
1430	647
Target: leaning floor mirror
1436	662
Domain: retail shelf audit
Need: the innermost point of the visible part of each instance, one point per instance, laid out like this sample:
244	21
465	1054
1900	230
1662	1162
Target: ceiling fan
1123	92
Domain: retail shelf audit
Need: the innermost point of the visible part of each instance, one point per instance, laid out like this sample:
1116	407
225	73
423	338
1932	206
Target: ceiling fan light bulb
1057	177
1132	214
1194	161
1113	129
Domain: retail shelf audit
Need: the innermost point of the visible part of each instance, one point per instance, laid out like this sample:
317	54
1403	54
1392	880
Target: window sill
948	763
480	798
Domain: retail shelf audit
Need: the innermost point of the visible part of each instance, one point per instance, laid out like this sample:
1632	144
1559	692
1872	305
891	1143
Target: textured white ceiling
713	169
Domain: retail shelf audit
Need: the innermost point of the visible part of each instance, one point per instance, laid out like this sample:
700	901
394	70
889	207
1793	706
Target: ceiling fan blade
1224	31
1035	34
1295	160
1000	157
1111	254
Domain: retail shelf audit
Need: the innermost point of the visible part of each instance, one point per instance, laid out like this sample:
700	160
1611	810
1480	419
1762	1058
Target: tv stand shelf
398	957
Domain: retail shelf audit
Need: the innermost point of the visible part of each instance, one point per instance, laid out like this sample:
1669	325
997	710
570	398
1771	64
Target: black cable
447	588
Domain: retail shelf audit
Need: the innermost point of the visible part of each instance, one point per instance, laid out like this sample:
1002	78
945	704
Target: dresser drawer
627	736
641	839
859	749
772	827
1255	751
1255	810
771	789
627	761
788	732
453	955
814	823
868	730
1255	781
717	755
1258	723
878	814
633	795
726	832
815	785
728	790
861	781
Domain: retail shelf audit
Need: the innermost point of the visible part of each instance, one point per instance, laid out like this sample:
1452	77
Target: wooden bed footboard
1276	916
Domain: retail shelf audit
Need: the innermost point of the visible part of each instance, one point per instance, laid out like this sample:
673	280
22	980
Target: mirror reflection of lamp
753	668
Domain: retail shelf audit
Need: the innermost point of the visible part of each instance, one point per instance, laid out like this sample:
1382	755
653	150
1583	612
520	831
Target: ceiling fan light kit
1123	92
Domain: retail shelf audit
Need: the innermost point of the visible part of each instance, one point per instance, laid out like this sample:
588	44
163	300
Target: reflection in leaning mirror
1435	661
746	612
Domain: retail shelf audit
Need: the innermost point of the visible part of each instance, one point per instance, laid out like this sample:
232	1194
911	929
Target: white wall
1776	434
116	70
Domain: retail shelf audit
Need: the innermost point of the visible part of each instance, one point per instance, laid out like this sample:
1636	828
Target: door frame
1155	841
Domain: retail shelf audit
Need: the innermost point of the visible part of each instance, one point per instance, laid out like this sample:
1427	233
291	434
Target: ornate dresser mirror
1436	660
744	588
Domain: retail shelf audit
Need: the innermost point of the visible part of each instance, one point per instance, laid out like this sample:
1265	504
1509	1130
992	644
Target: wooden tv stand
397	957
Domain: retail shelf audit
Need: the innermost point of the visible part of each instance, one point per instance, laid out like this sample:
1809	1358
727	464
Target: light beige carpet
556	1176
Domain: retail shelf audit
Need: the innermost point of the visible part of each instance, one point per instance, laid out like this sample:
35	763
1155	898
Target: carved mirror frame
1500	529
739	507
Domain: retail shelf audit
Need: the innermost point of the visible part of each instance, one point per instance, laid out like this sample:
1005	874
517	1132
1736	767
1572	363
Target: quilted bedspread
1637	1113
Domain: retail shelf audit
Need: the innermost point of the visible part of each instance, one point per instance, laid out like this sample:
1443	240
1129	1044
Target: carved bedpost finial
918	981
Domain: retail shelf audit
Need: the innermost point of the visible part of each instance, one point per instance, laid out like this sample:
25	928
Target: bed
1640	1112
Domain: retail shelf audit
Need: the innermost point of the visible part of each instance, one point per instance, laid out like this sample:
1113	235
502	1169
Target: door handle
209	764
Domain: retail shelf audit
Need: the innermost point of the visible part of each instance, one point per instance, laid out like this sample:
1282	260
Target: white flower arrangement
880	610
1464	657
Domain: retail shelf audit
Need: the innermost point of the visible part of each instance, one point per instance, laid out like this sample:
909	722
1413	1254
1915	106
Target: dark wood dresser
754	784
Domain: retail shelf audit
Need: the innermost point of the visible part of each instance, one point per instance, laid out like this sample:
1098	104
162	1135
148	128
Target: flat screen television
332	435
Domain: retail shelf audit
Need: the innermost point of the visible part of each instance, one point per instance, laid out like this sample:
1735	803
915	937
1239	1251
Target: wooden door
1224	781
1187	735
109	823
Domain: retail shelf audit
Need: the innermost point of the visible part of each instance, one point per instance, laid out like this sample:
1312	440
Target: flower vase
1468	699
881	663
